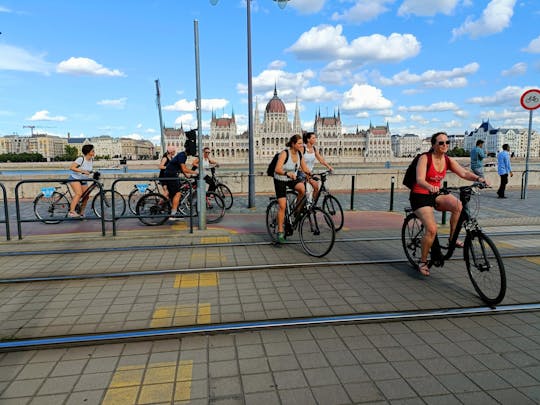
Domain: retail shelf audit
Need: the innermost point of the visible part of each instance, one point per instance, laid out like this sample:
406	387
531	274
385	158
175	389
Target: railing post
392	183
352	191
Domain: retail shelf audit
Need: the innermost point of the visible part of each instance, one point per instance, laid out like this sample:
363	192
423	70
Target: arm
508	164
195	162
213	162
187	171
421	169
464	173
75	167
279	166
304	167
163	163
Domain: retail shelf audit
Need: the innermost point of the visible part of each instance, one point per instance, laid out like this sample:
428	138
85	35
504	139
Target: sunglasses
441	143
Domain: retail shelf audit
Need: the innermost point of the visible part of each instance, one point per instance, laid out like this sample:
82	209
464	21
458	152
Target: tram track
223	269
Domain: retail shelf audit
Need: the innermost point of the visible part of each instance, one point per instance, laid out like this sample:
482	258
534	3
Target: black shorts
173	186
422	200
281	187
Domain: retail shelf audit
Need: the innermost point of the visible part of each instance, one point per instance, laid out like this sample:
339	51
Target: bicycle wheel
317	232
485	267
271	220
153	209
134	197
51	210
225	193
215	207
119	205
332	206
412	233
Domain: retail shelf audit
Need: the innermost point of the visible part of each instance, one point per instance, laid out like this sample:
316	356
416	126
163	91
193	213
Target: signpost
530	100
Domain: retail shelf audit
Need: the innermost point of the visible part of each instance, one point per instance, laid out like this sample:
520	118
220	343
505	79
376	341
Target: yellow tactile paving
534	259
161	382
207	240
181	315
195	280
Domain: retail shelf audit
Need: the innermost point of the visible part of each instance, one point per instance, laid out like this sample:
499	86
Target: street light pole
251	146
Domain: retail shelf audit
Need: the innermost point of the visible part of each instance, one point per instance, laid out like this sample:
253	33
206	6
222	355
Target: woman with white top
207	164
312	154
80	170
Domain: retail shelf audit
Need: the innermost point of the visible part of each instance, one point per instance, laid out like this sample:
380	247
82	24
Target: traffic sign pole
530	100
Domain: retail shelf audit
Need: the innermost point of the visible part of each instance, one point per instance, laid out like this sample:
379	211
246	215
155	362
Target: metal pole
524	194
162	130
392	183
251	151
201	186
353	179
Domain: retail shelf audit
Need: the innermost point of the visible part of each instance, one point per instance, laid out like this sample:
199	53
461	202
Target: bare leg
450	203
427	217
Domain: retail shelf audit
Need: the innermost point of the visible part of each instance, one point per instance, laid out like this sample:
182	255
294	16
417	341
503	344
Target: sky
89	67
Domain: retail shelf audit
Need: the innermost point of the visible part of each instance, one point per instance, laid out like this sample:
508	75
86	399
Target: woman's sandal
423	268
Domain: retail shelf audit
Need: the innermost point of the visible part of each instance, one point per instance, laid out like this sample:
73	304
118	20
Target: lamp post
251	147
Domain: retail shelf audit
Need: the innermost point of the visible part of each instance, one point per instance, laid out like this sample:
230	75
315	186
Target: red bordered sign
530	100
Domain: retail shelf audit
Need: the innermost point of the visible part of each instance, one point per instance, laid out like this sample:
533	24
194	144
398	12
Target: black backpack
410	174
272	166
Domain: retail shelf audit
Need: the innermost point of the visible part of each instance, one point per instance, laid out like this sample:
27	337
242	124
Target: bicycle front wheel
333	208
317	232
133	198
215	207
119	205
51	210
153	209
485	267
412	233
225	193
271	220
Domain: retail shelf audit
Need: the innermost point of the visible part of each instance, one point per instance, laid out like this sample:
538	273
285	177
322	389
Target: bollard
392	183
443	218
352	192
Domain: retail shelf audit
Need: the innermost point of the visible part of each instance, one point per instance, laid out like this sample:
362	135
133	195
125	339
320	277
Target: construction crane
31	128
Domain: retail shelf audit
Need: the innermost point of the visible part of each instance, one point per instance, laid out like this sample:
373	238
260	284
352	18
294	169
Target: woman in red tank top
430	172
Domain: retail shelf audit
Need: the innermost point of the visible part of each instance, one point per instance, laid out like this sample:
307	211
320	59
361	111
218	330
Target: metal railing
523	192
5	221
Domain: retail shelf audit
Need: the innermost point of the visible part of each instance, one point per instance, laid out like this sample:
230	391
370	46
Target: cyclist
310	155
208	164
176	166
80	170
285	176
167	156
430	172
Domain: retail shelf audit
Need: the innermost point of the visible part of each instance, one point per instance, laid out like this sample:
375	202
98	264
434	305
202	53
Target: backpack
409	180
272	166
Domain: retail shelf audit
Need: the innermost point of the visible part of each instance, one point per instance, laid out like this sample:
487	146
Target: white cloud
14	58
510	94
495	18
86	66
43	115
118	103
533	47
435	107
516	70
187	121
428	8
4	9
277	64
133	136
363	10
365	97
326	42
432	78
308	6
208	104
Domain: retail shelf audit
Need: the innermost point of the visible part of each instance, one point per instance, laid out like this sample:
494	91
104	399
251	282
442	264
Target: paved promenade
230	274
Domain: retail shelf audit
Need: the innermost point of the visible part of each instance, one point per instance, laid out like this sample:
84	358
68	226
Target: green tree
70	152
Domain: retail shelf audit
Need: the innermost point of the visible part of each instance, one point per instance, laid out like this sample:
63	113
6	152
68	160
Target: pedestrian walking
504	168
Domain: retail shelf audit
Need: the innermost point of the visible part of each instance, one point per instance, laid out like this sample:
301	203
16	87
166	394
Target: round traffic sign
530	100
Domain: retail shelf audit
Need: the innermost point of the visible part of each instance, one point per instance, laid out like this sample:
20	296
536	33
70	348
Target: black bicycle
330	204
482	258
222	190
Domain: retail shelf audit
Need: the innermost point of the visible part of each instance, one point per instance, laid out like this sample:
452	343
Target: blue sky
89	68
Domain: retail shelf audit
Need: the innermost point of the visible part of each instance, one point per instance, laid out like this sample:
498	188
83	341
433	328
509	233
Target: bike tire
119	205
271	220
133	198
153	209
51	210
412	233
332	207
225	193
485	267
215	207
317	232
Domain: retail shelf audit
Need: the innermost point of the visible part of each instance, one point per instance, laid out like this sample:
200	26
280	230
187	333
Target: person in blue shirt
477	158
504	169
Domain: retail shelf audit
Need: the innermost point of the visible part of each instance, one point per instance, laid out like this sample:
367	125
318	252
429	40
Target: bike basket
142	187
47	191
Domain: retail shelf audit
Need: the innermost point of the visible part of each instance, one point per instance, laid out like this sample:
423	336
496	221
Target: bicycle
222	190
330	204
51	206
138	191
315	226
482	258
155	209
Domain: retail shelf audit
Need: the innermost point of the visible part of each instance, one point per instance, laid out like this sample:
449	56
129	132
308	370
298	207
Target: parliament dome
275	105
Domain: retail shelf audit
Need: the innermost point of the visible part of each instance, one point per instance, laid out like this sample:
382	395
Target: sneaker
72	214
281	237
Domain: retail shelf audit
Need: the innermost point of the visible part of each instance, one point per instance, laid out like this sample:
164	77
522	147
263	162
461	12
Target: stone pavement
476	359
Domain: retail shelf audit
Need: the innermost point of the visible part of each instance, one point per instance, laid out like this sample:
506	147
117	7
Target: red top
433	177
